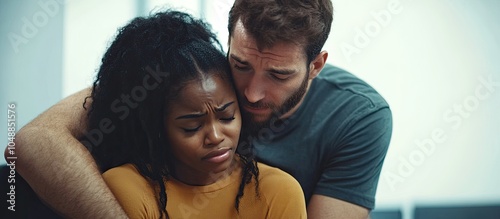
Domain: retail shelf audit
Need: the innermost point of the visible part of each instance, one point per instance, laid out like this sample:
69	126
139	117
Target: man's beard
252	127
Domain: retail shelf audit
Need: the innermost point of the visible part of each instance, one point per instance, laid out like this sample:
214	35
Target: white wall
430	60
89	27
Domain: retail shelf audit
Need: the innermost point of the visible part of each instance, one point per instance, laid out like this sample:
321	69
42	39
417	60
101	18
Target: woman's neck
195	178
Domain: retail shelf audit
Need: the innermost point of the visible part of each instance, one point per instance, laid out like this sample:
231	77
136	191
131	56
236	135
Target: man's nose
255	89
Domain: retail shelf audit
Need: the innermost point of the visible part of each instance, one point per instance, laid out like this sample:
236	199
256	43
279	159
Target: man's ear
317	64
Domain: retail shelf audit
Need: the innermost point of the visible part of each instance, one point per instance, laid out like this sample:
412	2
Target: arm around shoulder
348	184
58	167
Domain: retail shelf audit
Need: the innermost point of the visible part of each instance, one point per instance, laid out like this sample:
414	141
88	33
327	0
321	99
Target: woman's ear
317	64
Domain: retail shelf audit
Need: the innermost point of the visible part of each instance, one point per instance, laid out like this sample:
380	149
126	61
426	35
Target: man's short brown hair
303	22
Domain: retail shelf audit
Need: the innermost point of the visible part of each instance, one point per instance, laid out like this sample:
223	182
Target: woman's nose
214	135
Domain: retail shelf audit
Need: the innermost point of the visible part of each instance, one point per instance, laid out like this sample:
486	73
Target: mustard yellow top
280	196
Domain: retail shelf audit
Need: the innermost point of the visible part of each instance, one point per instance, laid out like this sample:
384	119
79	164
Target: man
330	131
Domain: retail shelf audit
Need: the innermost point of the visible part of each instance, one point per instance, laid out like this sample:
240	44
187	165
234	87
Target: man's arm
348	184
59	168
321	206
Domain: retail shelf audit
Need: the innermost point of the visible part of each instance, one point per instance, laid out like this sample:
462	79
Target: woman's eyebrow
191	116
198	115
222	108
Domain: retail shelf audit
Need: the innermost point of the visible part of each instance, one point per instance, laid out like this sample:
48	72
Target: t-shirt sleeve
283	194
132	191
352	170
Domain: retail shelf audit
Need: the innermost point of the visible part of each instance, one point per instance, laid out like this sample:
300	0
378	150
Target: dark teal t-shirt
336	142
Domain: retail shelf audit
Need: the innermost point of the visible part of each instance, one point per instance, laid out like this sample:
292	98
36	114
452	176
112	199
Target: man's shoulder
331	68
337	83
344	99
330	71
342	79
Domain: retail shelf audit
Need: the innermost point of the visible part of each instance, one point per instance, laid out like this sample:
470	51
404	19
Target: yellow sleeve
283	194
133	192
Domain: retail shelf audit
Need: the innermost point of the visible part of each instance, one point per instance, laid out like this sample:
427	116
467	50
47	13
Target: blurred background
435	62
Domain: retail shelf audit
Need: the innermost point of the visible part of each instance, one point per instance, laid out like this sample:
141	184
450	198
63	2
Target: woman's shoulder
281	192
277	179
124	171
133	191
125	177
272	172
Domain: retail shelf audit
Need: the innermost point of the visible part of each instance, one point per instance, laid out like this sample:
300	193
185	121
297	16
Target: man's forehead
239	29
241	37
242	45
241	51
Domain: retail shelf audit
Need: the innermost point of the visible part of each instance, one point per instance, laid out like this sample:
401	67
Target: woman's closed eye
192	129
228	119
223	119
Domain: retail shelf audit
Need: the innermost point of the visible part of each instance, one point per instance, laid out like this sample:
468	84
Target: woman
164	99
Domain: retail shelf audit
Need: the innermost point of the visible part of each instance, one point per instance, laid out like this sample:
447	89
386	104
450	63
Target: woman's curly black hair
149	62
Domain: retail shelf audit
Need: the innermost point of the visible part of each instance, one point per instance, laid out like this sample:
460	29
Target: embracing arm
59	168
321	206
348	184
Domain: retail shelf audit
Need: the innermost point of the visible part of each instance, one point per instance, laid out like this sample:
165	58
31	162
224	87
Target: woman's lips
217	156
